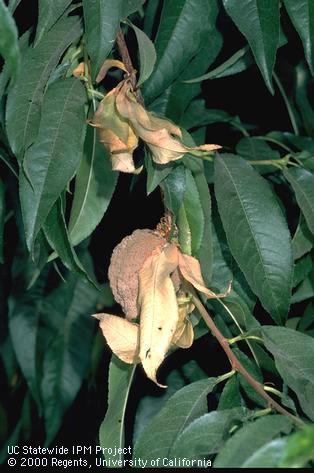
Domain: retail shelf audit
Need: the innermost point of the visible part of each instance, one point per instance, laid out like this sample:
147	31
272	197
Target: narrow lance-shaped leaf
204	435
66	353
94	186
25	99
259	22
160	434
24	314
111	434
57	235
180	21
294	353
250	438
147	54
102	19
48	13
2	215
54	157
9	49
194	212
301	13
250	214
302	182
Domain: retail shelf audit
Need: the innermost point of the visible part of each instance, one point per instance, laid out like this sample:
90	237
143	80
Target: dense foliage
246	213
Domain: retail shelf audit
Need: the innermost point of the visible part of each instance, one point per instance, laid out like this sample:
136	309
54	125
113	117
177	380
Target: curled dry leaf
122	336
108	64
159	308
155	132
184	334
121	121
141	275
116	134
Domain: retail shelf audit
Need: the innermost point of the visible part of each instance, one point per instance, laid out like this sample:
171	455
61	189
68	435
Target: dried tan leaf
108	64
191	271
121	335
116	134
156	132
158	308
187	336
184	334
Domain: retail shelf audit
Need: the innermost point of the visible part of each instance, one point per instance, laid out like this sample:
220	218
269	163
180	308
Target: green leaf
251	437
131	6
268	456
9	48
24	315
302	268
13	4
102	18
303	240
205	250
294	353
254	149
182	408
180	21
230	396
302	182
305	290
205	435
150	405
258	21
95	183
302	16
66	351
237	63
48	14
147	54
198	115
194	212
179	94
174	186
255	372
156	173
299	449
249	213
111	432
26	97
2	216
57	235
53	159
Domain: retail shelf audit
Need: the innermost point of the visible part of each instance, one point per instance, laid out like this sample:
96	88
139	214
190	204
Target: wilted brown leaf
116	134
121	335
184	334
155	132
191	272
159	308
108	64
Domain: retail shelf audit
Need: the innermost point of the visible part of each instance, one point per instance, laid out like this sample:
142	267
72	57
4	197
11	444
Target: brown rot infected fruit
127	259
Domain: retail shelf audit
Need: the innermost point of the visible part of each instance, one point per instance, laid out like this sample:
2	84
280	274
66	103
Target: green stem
239	338
262	412
287	103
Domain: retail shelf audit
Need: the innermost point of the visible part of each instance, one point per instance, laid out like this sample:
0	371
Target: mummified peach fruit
127	259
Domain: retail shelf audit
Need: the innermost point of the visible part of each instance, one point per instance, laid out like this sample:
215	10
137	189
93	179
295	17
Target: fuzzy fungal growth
127	259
